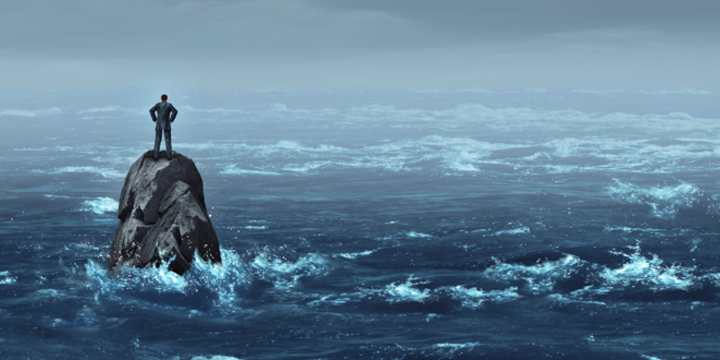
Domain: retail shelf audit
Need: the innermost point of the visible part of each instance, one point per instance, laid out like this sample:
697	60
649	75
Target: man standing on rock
165	115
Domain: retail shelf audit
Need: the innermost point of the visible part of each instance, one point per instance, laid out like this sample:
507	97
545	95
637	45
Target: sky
359	44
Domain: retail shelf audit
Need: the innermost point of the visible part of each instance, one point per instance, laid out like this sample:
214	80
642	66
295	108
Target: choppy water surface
464	225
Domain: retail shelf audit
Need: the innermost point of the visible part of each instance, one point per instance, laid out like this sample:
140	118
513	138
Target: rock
163	215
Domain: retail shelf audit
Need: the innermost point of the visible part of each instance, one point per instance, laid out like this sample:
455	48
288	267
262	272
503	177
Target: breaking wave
100	205
663	201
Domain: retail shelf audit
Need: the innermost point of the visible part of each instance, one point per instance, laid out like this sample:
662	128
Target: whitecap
109	108
352	256
251	227
29	113
104	172
663	201
221	279
285	274
100	205
6	279
474	298
540	277
232	170
650	272
415	234
516	231
400	292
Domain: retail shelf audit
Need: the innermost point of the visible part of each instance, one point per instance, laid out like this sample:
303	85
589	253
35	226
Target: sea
434	224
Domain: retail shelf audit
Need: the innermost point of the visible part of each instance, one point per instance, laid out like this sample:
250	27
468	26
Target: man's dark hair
163	97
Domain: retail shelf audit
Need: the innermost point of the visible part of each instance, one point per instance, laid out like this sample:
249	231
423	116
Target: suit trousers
168	146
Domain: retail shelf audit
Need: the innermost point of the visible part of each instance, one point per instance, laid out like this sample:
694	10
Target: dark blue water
434	225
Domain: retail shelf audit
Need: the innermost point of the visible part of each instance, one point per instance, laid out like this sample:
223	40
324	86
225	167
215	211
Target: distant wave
664	201
213	110
100	205
232	170
104	172
481	91
644	92
30	113
109	108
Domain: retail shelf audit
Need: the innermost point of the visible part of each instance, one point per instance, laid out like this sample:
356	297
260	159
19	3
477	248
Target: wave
401	292
664	202
285	274
104	172
6	279
213	110
109	108
30	113
204	284
461	155
650	272
474	298
100	205
352	256
414	234
540	277
644	92
232	170
516	231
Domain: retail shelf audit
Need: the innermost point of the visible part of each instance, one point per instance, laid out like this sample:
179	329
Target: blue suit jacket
166	114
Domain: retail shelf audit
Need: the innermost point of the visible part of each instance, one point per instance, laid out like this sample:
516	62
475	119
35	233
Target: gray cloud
357	43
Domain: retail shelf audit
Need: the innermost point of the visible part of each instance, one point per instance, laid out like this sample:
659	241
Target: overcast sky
359	44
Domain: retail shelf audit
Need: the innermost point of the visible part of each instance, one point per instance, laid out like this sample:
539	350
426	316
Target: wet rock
163	216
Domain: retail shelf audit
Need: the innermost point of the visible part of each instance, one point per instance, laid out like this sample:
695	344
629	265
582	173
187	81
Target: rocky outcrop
163	216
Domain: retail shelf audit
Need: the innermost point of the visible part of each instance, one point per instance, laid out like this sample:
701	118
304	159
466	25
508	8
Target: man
165	115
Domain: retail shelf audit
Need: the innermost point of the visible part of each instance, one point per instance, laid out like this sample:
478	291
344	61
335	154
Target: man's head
163	97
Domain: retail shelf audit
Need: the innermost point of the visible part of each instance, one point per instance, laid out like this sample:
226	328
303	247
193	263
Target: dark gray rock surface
162	214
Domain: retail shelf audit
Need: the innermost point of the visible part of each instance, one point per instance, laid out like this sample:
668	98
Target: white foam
644	92
285	274
650	357
456	346
30	113
100	205
213	110
6	279
220	279
474	298
54	196
215	357
104	172
516	231
664	201
232	170
415	234
630	229
109	108
352	256
650	272
540	277
400	292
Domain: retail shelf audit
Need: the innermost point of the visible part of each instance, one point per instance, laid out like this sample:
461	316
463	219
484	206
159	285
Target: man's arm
152	113
173	113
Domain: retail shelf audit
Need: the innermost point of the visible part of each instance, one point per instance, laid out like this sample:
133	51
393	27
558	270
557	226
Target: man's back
165	115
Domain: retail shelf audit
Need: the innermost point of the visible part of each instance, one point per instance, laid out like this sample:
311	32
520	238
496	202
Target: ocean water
377	225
